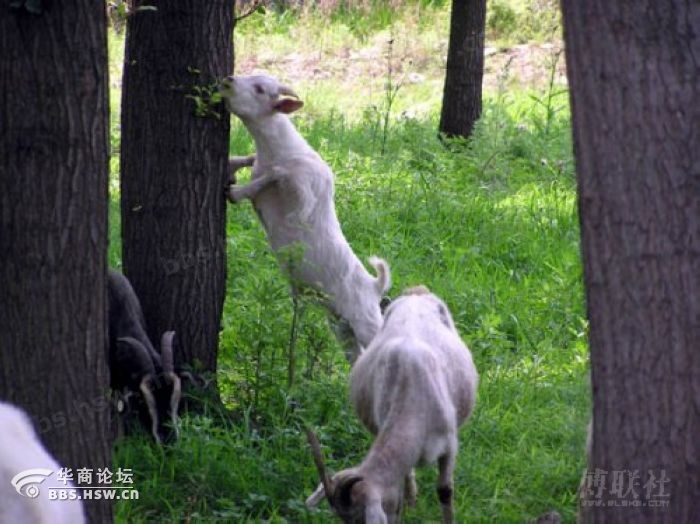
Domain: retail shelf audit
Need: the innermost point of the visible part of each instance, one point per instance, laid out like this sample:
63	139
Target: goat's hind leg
297	315
445	487
410	491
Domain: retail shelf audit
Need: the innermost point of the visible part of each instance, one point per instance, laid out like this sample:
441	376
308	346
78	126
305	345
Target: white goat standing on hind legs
412	388
292	190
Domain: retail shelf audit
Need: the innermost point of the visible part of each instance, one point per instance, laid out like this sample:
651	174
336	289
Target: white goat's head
354	498
255	97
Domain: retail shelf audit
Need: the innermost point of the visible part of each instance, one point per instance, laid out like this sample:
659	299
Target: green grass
489	225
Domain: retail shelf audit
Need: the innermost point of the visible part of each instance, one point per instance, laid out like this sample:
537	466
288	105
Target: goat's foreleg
237	193
237	162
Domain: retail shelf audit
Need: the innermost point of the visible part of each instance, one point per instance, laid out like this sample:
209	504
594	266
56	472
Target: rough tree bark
173	171
53	227
634	73
461	102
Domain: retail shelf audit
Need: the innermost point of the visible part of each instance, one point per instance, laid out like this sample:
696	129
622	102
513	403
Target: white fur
292	189
20	450
412	388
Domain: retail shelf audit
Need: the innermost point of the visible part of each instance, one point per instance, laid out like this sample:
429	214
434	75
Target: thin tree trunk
173	171
461	103
53	227
634	76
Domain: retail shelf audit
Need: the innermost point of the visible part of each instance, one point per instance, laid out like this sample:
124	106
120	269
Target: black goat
144	380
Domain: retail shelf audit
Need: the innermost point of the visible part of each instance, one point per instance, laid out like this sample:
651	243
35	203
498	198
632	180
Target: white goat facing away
292	190
21	450
412	388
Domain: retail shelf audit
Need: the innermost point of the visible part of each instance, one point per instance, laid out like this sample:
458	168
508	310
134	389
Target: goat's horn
320	464
145	387
288	91
166	351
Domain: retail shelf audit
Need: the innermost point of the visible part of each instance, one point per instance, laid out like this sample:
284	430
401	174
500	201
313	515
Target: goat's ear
445	317
342	495
288	105
316	497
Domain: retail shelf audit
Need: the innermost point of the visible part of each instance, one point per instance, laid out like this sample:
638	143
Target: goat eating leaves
292	190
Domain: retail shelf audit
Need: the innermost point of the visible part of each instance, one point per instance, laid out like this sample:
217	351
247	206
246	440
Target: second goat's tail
383	274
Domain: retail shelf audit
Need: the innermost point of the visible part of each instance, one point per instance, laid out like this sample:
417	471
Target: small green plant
292	257
257	6
546	102
207	100
391	90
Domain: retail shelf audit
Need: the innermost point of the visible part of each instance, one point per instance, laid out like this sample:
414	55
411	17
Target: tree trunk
633	71
173	171
53	227
461	102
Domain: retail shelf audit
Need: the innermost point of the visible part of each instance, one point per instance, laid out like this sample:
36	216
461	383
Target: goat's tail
383	274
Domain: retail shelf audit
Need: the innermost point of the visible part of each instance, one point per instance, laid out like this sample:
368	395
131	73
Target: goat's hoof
227	193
